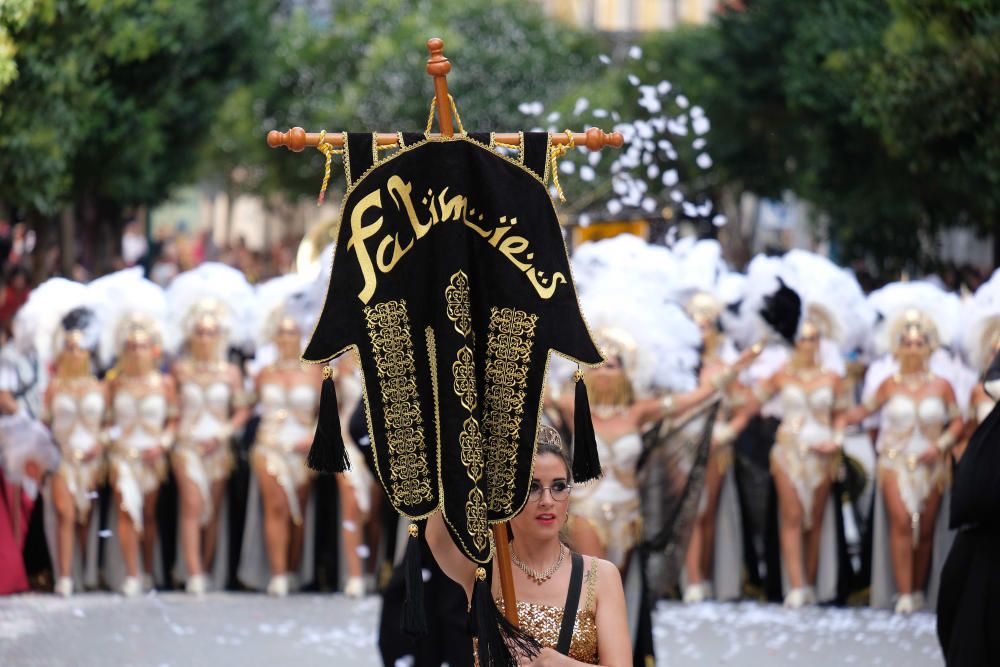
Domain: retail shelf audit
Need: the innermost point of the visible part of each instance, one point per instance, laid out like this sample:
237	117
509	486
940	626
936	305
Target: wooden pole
297	139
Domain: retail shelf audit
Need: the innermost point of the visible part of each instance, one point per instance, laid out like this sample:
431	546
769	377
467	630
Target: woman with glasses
920	422
542	570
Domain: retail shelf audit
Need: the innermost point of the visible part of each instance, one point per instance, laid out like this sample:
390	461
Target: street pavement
174	630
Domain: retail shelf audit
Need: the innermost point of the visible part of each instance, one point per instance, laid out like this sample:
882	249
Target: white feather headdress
216	288
128	300
897	301
40	322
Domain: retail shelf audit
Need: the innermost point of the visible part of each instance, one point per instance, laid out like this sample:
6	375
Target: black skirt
968	622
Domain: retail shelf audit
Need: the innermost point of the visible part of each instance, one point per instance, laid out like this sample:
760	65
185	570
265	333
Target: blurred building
631	15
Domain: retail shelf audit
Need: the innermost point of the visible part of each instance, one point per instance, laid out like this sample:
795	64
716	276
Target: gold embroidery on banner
457	297
470	440
392	345
464	371
508	355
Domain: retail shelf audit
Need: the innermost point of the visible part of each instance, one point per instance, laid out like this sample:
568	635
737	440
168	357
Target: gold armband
954	413
870	404
722	380
843	402
761	394
667	402
945	442
838	437
242	399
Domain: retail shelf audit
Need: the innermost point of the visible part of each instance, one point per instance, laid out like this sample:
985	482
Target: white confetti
425	574
682	101
633	79
604	58
704	161
583	220
670	178
581	105
363	551
587	173
635	53
663	87
350	526
614	207
700	125
567	167
677	196
104	533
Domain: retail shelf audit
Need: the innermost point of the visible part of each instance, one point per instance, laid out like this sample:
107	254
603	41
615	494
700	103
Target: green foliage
884	114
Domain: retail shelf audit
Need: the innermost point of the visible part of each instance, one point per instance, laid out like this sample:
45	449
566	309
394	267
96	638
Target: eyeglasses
559	491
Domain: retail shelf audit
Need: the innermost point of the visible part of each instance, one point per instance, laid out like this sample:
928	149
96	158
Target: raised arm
452	562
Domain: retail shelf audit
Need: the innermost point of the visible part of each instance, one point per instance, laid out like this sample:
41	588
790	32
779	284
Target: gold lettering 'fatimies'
392	346
508	357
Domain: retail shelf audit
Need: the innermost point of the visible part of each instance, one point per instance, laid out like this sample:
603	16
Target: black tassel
414	614
586	462
498	641
328	453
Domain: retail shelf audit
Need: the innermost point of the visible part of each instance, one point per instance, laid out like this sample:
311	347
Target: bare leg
350	514
298	538
149	531
584	538
922	557
128	536
900	534
190	525
210	536
821	497
66	526
713	486
276	520
790	510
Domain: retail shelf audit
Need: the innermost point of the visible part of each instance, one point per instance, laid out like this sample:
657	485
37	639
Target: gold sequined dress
543	622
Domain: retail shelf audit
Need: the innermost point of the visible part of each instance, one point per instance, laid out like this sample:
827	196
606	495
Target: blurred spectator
166	265
13	296
22	243
134	243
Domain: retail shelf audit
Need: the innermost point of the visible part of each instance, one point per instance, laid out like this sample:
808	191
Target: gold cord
329	151
556	152
454	112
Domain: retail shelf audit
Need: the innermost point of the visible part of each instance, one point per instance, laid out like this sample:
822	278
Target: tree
111	99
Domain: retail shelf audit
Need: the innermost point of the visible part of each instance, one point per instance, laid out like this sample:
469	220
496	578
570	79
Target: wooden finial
437	65
294	139
598	139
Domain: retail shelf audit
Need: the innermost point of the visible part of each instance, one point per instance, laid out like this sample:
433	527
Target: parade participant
830	317
920	422
288	394
140	430
542	577
206	320
75	407
713	553
651	351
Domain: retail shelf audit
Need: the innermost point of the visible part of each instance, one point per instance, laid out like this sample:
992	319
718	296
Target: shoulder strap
572	604
535	152
359	155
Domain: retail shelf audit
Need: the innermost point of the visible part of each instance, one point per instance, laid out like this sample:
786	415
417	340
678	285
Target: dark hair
548	442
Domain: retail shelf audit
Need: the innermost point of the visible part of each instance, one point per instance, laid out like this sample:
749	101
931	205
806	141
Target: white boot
278	586
147	582
64	587
919	601
355	588
132	587
797	598
696	593
197	584
810	594
904	605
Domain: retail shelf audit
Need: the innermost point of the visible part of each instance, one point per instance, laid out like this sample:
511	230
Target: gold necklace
608	411
912	380
535	575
